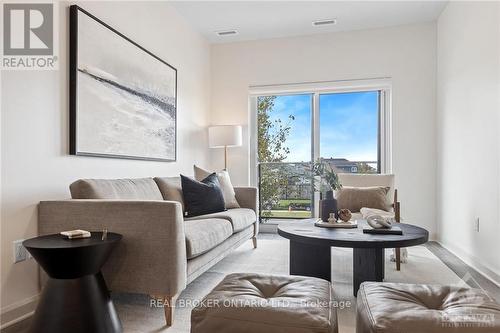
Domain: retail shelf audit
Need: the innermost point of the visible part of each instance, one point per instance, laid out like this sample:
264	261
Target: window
284	155
346	124
285	128
349	131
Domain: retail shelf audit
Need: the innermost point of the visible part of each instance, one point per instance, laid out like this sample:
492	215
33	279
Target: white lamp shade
224	136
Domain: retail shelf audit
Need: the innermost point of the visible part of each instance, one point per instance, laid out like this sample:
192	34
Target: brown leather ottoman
256	303
411	308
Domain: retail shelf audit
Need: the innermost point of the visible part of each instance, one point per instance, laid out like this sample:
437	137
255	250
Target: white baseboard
17	320
18	311
474	262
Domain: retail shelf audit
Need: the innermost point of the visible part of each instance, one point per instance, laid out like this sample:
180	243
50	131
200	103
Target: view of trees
272	135
286	188
365	168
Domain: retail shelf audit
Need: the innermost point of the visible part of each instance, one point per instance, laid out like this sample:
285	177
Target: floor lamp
223	137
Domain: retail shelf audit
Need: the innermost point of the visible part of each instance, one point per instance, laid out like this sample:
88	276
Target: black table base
368	265
310	260
76	305
315	261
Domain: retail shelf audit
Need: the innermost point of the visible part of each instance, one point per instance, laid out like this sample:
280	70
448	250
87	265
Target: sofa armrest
150	259
247	197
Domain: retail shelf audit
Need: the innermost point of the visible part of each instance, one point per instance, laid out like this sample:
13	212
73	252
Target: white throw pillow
367	212
225	184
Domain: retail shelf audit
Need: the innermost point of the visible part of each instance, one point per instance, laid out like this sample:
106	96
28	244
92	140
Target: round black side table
75	297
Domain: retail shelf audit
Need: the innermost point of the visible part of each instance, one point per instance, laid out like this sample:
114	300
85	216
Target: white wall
469	132
407	54
35	161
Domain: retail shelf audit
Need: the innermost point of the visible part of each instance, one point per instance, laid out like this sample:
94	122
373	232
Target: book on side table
75	234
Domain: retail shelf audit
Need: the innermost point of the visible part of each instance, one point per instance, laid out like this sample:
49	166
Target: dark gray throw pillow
203	197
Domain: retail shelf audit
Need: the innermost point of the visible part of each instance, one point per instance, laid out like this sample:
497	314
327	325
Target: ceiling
272	19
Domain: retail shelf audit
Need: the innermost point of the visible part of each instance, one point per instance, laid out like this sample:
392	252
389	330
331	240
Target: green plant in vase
326	177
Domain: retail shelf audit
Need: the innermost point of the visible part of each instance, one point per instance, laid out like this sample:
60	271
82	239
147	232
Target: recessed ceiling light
319	23
224	33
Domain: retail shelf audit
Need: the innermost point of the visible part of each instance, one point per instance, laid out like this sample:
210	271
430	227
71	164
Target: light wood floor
462	270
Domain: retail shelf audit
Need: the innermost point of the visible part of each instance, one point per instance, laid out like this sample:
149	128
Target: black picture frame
73	88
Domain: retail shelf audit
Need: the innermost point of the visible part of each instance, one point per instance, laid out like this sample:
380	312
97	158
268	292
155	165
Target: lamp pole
224	136
225	157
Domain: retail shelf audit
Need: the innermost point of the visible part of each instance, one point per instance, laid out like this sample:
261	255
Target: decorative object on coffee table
338	224
75	298
328	206
379	222
345	214
329	178
310	253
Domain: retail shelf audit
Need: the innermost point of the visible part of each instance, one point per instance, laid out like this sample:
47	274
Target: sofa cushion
366	212
202	197
171	189
205	234
225	185
128	189
240	218
355	198
366	180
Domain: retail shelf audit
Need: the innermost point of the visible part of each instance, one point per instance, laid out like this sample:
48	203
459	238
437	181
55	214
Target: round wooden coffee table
310	252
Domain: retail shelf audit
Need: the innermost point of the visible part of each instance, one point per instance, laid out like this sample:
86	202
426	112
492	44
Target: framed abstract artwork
123	98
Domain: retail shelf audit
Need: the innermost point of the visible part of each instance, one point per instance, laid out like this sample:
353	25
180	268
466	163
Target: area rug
271	256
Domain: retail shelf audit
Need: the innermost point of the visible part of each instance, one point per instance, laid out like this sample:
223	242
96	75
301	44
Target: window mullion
380	136
315	128
315	146
385	132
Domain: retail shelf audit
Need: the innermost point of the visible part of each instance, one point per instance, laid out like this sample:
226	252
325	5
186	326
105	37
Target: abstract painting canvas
122	97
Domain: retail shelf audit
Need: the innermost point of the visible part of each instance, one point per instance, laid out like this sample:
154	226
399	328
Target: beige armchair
368	180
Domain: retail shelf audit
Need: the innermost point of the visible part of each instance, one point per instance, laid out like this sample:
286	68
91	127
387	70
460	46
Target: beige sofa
161	251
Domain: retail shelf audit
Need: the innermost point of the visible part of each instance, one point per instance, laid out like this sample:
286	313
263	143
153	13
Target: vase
327	206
